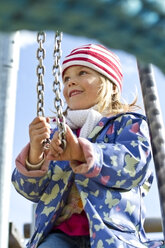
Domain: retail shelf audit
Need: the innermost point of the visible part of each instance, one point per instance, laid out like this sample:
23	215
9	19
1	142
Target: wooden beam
153	225
15	239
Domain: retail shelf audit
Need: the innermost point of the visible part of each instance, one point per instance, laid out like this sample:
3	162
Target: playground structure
135	28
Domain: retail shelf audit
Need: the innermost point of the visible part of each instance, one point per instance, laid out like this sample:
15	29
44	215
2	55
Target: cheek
94	91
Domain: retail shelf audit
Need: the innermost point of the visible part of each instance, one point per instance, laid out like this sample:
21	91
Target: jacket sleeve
30	184
120	156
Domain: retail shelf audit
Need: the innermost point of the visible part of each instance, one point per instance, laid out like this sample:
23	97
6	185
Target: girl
91	193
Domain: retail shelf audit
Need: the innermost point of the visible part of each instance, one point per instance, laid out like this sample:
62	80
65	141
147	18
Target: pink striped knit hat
98	58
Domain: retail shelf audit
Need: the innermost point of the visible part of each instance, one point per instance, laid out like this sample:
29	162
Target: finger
56	137
70	136
43	130
51	156
39	125
39	119
38	136
55	147
39	128
56	140
47	119
82	168
38	139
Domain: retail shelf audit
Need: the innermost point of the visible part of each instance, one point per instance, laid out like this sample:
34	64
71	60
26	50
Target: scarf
85	119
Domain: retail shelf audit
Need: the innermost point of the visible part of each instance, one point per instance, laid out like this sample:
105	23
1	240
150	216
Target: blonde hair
109	99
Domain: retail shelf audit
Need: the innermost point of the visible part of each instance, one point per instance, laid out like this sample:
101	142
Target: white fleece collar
85	119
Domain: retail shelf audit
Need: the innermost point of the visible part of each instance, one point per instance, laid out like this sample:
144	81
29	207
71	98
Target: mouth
75	92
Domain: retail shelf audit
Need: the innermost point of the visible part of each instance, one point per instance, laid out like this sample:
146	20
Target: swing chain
58	103
40	73
40	84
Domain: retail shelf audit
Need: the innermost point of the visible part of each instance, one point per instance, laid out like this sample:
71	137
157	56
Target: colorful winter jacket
112	191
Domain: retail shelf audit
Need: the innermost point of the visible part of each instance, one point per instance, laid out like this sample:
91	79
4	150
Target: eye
66	79
81	73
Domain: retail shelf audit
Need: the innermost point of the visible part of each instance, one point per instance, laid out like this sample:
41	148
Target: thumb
70	136
47	119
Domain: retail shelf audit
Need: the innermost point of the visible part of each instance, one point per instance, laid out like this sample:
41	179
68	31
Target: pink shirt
77	225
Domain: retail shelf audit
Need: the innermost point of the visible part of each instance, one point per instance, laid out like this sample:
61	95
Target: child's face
81	87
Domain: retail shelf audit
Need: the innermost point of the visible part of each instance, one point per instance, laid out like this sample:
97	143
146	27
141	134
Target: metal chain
58	103
41	36
40	73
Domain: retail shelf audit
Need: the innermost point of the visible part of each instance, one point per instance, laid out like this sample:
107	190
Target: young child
89	194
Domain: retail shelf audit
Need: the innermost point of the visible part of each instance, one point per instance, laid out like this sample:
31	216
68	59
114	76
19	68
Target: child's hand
39	130
72	151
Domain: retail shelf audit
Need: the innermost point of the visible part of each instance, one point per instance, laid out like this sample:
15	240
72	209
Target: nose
72	82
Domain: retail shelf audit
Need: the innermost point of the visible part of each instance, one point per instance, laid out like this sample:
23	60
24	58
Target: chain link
58	103
41	36
40	73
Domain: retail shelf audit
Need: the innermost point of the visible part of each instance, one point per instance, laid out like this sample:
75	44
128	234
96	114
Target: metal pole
9	56
153	113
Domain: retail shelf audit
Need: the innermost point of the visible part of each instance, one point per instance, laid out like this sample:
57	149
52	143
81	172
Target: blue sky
26	107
